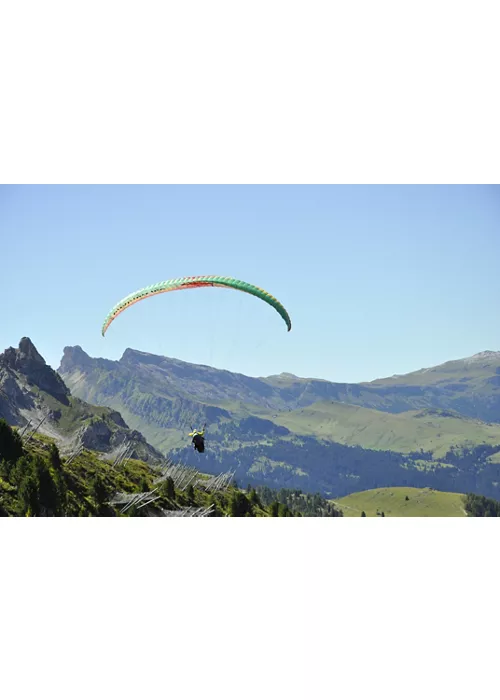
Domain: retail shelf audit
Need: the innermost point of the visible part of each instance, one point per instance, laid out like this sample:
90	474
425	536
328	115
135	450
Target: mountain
32	393
470	387
159	396
475	371
288	431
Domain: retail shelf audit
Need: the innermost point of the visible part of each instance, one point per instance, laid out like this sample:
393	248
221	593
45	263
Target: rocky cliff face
102	435
27	361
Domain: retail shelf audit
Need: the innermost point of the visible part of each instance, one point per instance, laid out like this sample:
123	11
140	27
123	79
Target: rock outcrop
27	361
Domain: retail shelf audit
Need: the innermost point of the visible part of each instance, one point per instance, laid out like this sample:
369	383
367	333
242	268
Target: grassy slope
401	432
129	478
392	501
167	439
74	414
164	439
78	475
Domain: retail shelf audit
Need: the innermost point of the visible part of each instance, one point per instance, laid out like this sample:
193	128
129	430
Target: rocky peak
134	357
24	357
485	358
74	357
487	354
26	360
28	352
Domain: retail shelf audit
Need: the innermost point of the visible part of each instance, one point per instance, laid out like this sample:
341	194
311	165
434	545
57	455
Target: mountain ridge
470	388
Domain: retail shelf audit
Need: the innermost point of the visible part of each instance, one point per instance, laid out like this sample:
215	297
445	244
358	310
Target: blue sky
378	280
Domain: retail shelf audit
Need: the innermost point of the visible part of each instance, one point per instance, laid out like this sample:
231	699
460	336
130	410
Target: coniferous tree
143	485
283	511
5	469
239	505
62	493
481	507
274	509
55	458
99	491
48	496
169	488
28	493
254	498
11	445
216	511
20	469
58	478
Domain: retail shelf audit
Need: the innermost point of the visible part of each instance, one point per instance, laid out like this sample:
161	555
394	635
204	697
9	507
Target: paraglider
193	283
198	438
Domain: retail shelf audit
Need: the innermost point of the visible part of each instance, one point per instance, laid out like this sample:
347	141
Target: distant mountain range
470	386
436	427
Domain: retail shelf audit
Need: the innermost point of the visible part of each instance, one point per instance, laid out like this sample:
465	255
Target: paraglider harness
198	438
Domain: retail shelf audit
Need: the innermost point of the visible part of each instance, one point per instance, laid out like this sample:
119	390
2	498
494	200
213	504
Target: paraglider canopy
192	283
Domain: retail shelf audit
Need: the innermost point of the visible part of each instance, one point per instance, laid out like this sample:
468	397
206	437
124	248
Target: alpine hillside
440	428
34	396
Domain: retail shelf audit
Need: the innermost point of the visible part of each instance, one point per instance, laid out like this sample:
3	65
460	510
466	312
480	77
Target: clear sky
378	280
